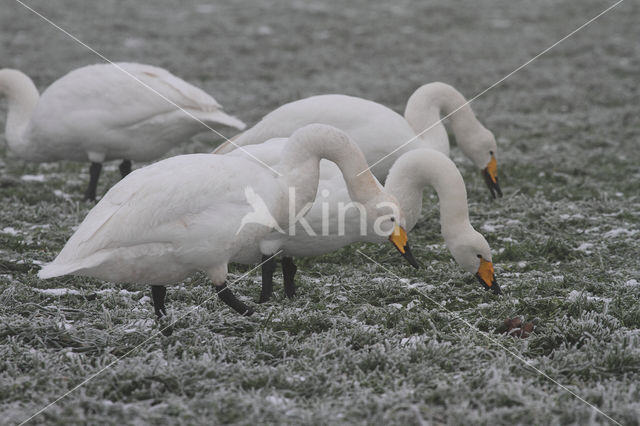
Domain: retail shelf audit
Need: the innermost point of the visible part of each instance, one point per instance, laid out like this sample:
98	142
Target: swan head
483	152
13	83
384	213
472	252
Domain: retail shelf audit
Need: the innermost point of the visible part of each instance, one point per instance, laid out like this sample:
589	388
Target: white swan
420	168
379	131
99	113
183	214
335	227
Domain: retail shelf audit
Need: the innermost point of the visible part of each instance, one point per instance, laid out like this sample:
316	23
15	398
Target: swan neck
22	98
416	170
300	164
434	101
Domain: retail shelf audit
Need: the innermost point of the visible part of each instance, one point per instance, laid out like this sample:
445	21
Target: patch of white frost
619	231
61	194
488	228
11	231
33	178
56	291
411	340
575	295
584	247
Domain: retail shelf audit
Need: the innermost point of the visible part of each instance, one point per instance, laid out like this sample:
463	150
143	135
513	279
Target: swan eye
479	256
491	152
393	219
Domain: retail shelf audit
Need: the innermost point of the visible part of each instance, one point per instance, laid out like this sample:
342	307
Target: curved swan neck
431	102
300	163
22	96
415	170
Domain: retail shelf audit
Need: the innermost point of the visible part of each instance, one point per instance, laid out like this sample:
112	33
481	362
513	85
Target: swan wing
365	121
179	91
202	105
108	97
178	203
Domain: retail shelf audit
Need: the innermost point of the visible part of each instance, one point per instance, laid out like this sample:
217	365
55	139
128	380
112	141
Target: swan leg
226	295
125	168
268	268
94	174
158	293
289	272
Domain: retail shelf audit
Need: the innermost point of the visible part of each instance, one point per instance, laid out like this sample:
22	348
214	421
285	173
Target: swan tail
57	269
222	118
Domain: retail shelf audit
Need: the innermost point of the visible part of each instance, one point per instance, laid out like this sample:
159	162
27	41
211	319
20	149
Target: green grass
356	345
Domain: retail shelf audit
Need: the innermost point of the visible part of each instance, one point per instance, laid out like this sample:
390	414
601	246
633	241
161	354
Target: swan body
169	219
407	179
99	113
184	214
382	133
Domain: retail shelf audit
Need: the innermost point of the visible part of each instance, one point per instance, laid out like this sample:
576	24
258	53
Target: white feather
122	111
380	132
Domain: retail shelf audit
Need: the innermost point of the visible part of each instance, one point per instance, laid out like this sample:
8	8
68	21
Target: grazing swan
337	227
99	113
379	131
420	168
184	214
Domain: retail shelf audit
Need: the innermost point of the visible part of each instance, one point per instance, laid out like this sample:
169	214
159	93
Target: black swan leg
125	168
94	175
289	272
226	295
158	293
268	268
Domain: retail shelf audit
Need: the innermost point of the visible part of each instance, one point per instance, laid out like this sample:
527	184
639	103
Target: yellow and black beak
487	277
400	240
490	174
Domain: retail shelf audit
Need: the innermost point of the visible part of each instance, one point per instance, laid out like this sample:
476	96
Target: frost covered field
357	345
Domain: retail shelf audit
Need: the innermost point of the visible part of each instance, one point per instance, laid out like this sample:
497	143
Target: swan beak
400	240
490	174
486	276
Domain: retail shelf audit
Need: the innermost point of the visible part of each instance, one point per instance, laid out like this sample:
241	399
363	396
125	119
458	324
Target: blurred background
564	236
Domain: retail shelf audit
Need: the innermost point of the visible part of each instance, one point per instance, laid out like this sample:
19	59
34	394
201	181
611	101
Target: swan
98	113
335	228
381	133
183	214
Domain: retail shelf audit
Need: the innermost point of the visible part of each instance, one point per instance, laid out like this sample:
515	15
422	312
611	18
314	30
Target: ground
357	345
